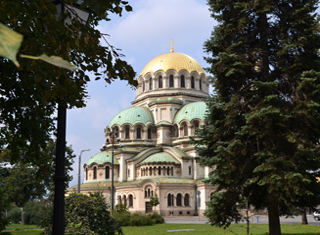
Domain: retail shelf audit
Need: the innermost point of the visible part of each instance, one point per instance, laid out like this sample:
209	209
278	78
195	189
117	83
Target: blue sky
142	35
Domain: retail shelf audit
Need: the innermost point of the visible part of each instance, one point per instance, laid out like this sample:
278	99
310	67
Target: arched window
159	170
125	200
179	199
149	134
172	171
168	171
170	199
138	133
150	84
186	200
143	86
175	131
94	173
164	170
130	200
127	133
160	81
86	173
196	125
192	82
200	85
182	81
150	171
107	172
189	170
171	84
185	130
148	192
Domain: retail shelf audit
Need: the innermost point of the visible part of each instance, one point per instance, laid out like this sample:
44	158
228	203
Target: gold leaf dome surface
172	60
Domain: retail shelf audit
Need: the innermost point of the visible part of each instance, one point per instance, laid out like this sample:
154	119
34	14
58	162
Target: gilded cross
171	45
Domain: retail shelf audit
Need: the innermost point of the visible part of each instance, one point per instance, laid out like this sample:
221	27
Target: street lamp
79	174
60	178
113	134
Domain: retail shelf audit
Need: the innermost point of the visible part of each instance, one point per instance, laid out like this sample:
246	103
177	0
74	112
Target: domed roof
133	115
162	157
172	60
191	111
102	157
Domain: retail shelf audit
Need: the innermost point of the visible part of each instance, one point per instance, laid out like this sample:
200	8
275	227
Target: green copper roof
161	157
191	111
179	152
102	157
166	100
133	115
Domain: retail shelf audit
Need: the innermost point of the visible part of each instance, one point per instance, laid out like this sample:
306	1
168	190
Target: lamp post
79	174
60	178
113	134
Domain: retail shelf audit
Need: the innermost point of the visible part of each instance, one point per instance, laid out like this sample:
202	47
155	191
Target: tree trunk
273	216
304	219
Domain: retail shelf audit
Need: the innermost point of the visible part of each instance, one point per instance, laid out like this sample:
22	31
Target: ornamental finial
171	50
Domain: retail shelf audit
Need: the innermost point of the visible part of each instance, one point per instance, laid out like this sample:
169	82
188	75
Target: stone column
165	81
176	82
188	82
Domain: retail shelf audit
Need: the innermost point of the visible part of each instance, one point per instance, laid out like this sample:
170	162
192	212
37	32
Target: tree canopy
263	120
29	94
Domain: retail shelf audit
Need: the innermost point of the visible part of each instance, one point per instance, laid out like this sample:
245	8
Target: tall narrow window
179	199
189	170
186	200
138	133
172	171
170	199
196	125
149	134
168	171
107	172
182	81
127	133
150	171
200	85
125	200
160	81
159	170
171	84
130	200
192	82
164	170
148	192
185	130
150	84
143	86
86	173
94	173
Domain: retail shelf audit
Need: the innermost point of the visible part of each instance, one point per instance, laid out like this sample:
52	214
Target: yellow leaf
10	42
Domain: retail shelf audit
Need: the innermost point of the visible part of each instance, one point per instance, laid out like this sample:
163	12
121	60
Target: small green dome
166	100
195	110
102	157
162	157
133	115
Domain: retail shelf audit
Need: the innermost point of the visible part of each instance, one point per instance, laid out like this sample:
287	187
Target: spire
171	50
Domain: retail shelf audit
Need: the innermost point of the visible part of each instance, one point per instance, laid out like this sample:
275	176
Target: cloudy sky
142	34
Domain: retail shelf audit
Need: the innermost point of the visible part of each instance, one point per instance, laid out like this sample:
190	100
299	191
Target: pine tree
264	118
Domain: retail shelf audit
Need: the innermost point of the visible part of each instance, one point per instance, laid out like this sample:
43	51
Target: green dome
195	110
166	100
162	157
133	115
102	157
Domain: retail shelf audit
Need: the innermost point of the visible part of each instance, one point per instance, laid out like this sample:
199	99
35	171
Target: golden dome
172	60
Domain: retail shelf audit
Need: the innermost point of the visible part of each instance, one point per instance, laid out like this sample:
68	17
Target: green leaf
10	42
128	8
54	60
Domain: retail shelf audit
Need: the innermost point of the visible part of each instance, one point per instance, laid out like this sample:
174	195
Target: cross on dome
171	50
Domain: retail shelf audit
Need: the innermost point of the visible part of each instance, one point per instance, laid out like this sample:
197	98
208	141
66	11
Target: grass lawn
18	230
255	229
258	229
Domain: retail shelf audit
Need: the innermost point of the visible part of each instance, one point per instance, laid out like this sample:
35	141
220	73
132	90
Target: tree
21	182
29	94
263	120
154	200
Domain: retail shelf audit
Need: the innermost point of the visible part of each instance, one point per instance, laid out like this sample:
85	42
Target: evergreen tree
264	117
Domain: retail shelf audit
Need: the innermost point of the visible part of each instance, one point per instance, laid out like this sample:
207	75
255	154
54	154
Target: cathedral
147	146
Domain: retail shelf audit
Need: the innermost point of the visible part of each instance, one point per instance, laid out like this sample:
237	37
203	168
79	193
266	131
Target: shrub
139	219
122	218
157	218
14	215
87	214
